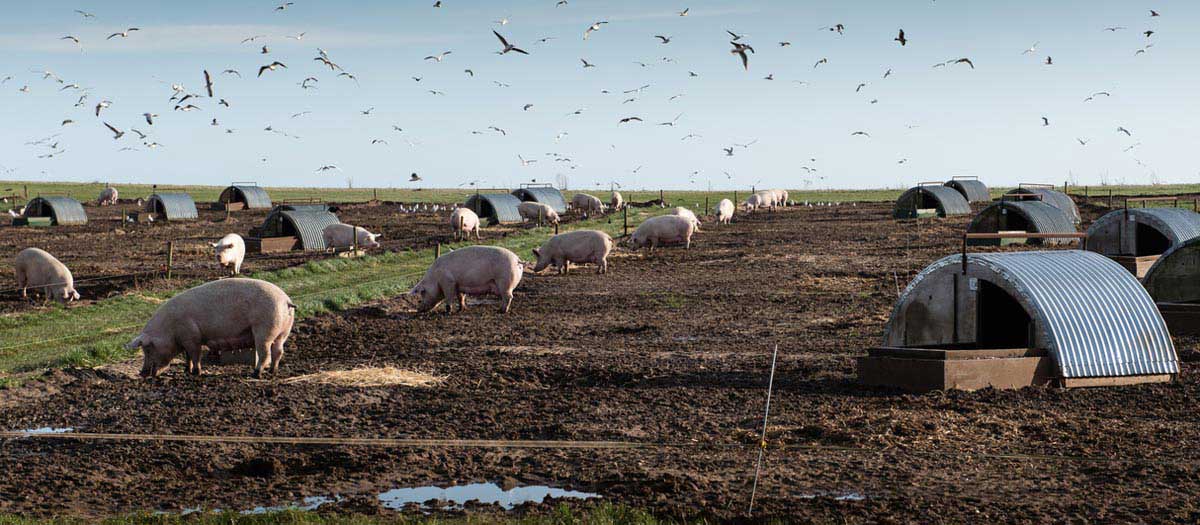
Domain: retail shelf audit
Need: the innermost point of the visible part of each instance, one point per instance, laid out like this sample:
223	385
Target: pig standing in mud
342	236
760	199
587	203
580	246
615	201
230	252
474	270
687	214
37	269
538	212
226	315
663	229
464	221
724	211
108	196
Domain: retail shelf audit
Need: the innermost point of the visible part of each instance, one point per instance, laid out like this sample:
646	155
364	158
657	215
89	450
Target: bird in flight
102	105
728	151
966	61
1032	49
208	84
271	67
1096	94
685	11
232	72
122	34
327	167
784	44
627	120
594	27
665	39
586	64
284	5
836	27
116	132
821	61
735	36
367	111
414	177
1114	29
1045	122
1049	60
903	41
1153	13
1082	142
863	133
525	162
507	46
672	121
438	57
85	14
1121	129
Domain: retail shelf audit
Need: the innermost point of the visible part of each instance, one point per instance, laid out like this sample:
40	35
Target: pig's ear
537	252
137	342
376	236
214	245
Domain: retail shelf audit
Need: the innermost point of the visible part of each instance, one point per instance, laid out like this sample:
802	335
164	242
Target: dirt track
672	348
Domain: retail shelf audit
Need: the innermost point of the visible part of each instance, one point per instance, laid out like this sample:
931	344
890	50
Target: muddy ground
670	349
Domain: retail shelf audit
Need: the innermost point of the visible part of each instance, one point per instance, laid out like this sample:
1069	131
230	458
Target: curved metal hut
1066	317
62	211
971	189
245	197
172	206
547	195
1174	283
928	201
1052	197
1021	216
287	229
498	208
1142	231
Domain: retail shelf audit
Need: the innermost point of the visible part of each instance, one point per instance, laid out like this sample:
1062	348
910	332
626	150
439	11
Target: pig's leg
262	358
22	282
687	242
602	267
450	294
506	299
237	268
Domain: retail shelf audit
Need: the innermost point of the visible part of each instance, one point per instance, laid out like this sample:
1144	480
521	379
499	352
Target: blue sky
939	121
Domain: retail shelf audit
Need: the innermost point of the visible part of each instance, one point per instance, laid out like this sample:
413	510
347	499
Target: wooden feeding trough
1068	318
292	226
1019	214
1174	284
930	199
243	196
1136	237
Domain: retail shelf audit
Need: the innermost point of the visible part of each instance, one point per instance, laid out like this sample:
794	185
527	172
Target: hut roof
1038	216
947	201
63	211
1175	276
174	206
971	189
546	195
499	208
1087	311
1052	197
255	197
1112	235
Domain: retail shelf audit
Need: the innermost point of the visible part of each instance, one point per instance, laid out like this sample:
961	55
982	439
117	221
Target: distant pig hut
52	211
1028	216
930	200
172	207
1007	320
543	193
1174	283
292	227
497	208
971	188
1050	196
1136	237
243	196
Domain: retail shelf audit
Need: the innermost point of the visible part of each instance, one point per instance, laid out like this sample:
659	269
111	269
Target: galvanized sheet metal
65	210
308	225
950	201
303	207
1042	218
176	206
255	197
497	207
971	189
1093	315
1175	276
1176	224
548	196
1054	198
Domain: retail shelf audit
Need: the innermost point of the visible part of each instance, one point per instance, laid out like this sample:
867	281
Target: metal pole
556	228
170	257
355	245
762	442
625	218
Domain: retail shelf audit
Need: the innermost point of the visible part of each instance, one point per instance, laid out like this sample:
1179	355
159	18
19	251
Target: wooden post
556	228
26	190
735	199
1065	186
705	204
354	245
660	198
1110	204
1085	193
375	194
227	213
170	258
437	251
625	218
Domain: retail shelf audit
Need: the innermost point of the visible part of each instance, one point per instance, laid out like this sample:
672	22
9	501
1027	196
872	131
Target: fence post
459	233
625	218
170	258
26	190
705	204
735	199
556	228
1110	198
355	242
375	194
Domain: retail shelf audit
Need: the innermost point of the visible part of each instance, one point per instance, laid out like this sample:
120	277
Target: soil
672	348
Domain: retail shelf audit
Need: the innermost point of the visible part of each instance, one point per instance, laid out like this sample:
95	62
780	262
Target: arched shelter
1007	320
293	229
1136	237
545	194
1050	196
62	211
1174	284
172	206
497	208
242	196
930	201
1029	216
971	189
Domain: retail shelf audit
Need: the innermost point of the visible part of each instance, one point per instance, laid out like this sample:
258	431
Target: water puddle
839	496
46	430
486	493
309	503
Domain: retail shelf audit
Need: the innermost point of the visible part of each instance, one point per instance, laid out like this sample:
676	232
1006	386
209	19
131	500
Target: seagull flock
311	73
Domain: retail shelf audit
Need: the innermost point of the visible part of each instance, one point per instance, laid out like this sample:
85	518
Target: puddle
839	496
309	503
45	430
486	493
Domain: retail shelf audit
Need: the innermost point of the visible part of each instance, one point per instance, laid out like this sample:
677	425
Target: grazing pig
536	211
108	196
580	246
230	252
687	214
343	235
760	199
663	229
587	203
615	201
464	221
35	268
474	270
724	211
224	315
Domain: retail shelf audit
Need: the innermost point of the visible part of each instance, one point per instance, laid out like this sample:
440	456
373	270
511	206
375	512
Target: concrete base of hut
1138	266
926	369
1181	318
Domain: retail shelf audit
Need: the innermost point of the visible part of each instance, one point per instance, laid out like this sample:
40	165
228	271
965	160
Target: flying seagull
685	11
232	72
903	41
414	177
740	49
1045	122
208	84
122	34
102	105
1096	94
438	57
284	5
271	67
863	133
586	64
593	27
966	61
149	118
1082	142
1032	49
665	39
116	132
629	119
327	168
821	61
1121	129
728	151
507	46
85	14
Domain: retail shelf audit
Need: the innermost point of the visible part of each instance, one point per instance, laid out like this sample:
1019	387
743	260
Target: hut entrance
1002	321
1150	241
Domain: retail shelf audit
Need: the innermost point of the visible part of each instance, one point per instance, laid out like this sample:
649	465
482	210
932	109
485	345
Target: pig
340	236
580	246
663	229
230	252
687	214
615	201
783	197
108	196
724	211
36	268
464	221
474	270
225	315
536	211
587	203
760	199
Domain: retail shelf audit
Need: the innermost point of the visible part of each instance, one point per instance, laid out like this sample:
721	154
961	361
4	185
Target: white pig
474	270
580	246
224	315
37	269
663	229
341	236
108	196
230	252
587	203
464	221
538	212
615	201
724	211
687	214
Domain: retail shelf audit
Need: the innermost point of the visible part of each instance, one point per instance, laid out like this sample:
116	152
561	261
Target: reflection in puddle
840	496
309	503
486	493
46	430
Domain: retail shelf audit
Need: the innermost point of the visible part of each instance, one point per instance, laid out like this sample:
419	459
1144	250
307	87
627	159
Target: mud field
671	349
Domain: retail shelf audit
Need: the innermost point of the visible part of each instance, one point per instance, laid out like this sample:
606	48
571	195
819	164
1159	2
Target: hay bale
371	377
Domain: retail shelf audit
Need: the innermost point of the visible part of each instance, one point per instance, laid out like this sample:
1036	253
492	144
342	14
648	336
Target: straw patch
371	377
